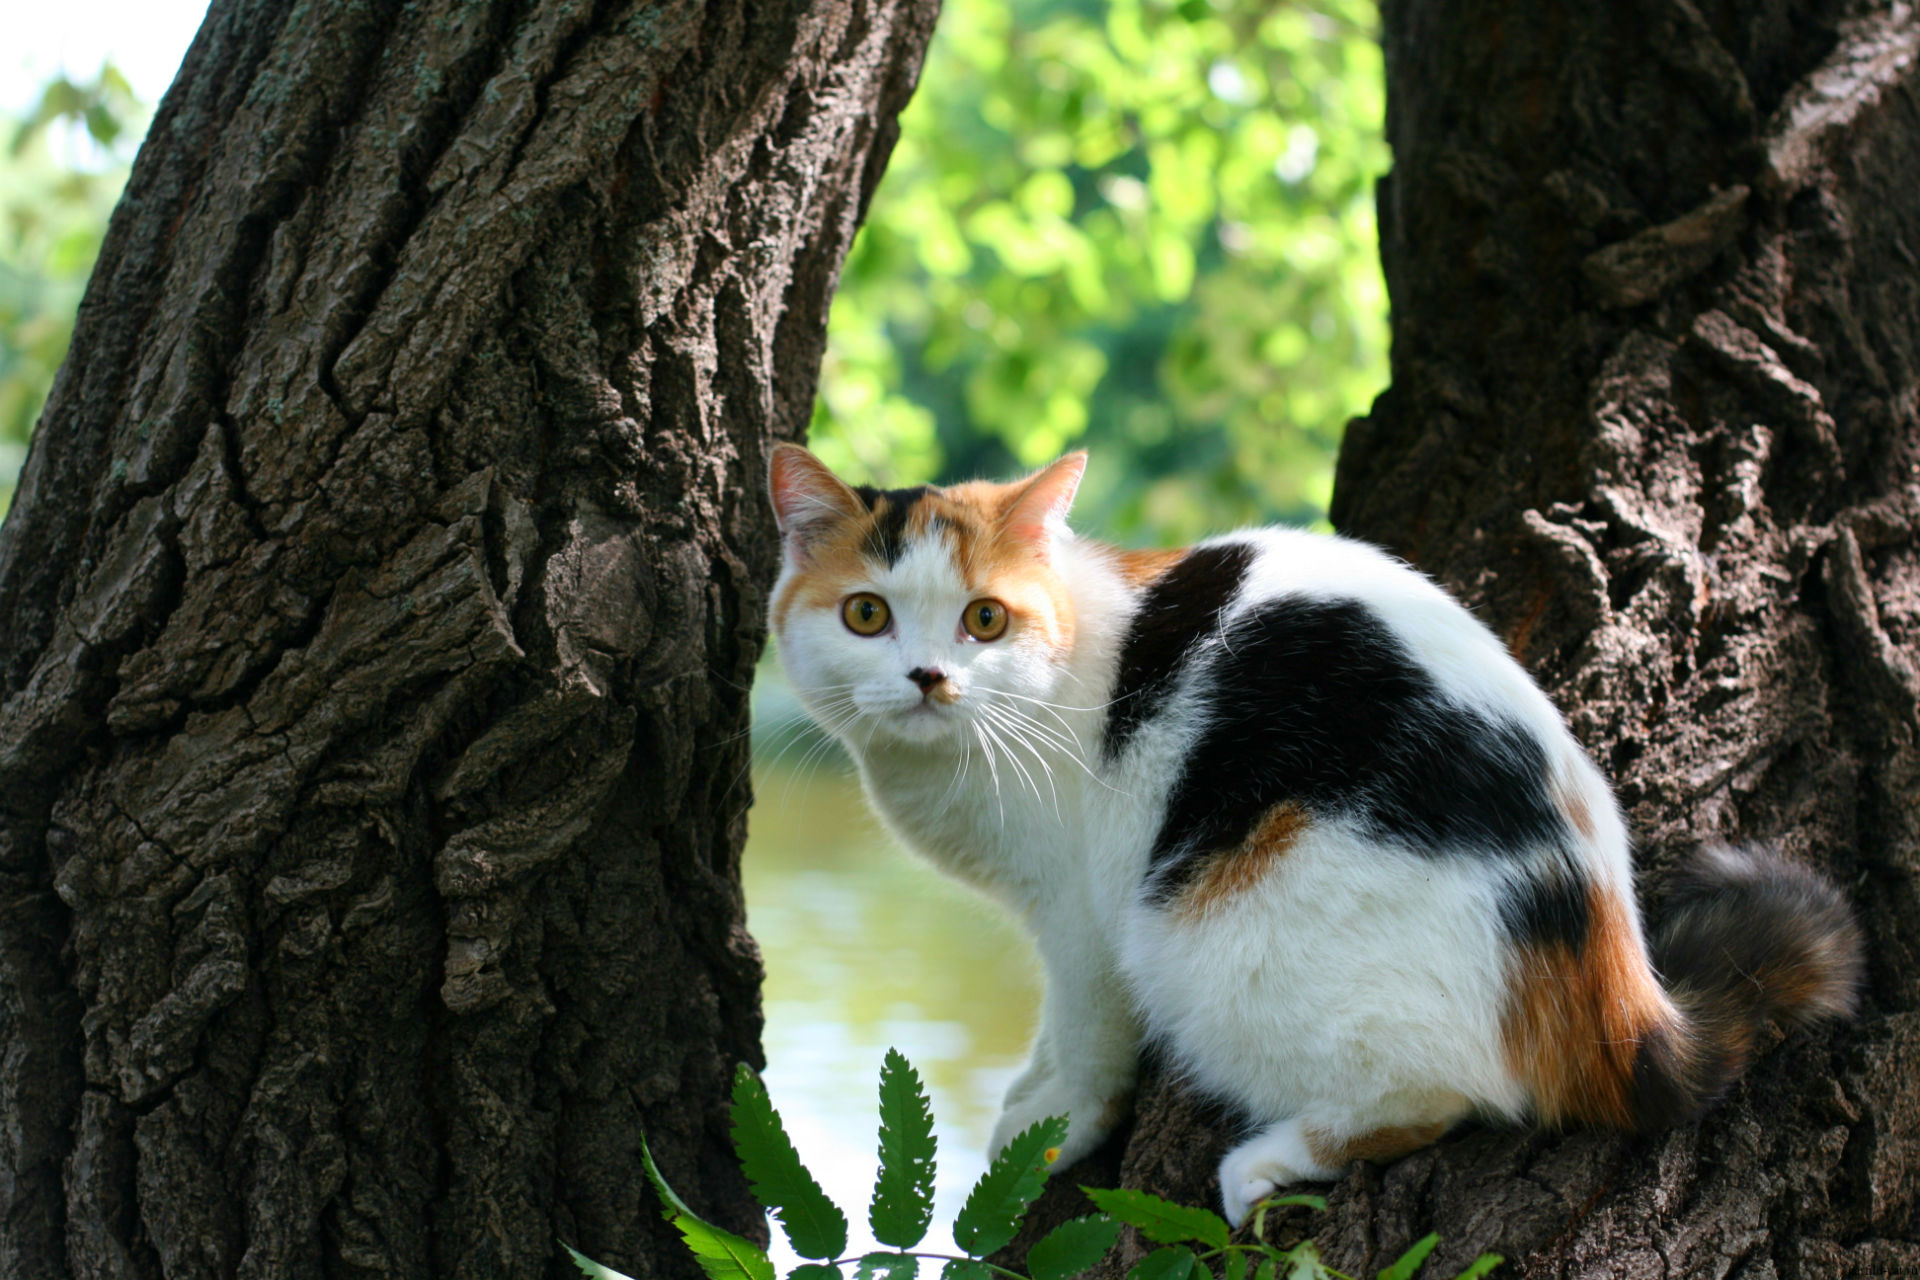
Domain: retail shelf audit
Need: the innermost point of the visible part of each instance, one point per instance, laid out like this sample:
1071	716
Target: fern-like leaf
720	1253
1162	1220
1072	1247
1175	1262
779	1181
999	1200
592	1268
1409	1262
903	1191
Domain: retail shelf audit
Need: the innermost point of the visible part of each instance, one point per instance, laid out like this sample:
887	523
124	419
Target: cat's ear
807	498
1040	511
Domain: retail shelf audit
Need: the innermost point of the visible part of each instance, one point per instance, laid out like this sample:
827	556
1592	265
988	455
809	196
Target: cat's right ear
807	498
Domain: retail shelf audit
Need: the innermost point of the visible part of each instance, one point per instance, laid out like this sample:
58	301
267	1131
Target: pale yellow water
866	948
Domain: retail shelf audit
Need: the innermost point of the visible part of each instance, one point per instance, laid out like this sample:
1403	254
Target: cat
1281	805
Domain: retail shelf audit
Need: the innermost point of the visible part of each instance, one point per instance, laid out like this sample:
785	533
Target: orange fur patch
1382	1146
1141	567
1575	1021
1231	872
969	518
1573	807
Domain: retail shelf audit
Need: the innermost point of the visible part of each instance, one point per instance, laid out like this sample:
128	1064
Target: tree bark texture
381	599
1655	413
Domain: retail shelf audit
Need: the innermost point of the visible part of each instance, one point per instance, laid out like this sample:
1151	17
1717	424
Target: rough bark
382	593
1655	413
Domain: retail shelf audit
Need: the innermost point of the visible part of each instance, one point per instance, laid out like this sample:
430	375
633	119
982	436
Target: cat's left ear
1040	512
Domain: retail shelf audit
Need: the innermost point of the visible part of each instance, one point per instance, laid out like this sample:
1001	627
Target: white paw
1262	1165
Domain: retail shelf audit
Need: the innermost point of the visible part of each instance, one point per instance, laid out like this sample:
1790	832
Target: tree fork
383	589
1654	414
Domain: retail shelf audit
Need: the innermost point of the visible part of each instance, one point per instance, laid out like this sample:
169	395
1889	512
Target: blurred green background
1137	226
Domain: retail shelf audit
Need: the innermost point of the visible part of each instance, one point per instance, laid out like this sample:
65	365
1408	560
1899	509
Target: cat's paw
1089	1120
1262	1165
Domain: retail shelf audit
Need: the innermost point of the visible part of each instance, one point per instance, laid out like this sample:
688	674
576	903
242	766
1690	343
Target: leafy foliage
814	1224
1072	1247
1192	1240
720	1253
61	169
1162	1220
1142	225
992	1213
903	1191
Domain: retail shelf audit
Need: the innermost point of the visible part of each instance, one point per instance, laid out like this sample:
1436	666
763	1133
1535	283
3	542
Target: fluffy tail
1749	939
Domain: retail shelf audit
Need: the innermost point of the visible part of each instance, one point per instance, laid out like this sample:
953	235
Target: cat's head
919	615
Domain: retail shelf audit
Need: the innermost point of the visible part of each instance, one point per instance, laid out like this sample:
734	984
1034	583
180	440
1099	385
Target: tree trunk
1656	414
381	598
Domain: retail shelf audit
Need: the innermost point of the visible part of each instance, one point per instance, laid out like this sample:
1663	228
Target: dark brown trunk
1656	413
381	598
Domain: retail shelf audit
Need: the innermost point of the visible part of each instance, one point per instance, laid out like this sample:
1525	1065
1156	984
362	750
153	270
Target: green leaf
885	1266
779	1181
1480	1266
591	1267
1174	1263
1237	1264
814	1271
1162	1220
720	1253
1306	1262
965	1269
903	1191
1266	1269
1072	1247
999	1200
1409	1262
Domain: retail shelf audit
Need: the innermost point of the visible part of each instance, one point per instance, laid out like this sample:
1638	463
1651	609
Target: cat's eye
985	619
865	614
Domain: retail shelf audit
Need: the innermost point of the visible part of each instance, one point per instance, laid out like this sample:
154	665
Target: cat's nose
926	677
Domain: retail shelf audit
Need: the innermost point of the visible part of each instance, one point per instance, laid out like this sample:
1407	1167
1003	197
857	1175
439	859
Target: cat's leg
1086	1054
1322	1144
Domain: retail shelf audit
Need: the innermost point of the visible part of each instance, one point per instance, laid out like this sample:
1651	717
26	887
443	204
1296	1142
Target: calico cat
1281	804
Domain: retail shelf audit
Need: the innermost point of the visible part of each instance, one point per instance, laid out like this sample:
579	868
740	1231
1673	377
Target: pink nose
926	677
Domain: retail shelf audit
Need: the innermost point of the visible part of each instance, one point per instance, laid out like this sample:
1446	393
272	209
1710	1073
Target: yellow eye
865	614
985	619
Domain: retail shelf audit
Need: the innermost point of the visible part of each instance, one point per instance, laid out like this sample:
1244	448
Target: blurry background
1144	227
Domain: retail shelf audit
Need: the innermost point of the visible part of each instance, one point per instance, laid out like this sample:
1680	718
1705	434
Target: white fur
1356	986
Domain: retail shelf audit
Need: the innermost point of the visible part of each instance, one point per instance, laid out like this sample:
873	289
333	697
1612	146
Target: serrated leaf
1409	1262
1162	1220
814	1224
1480	1266
1072	1247
885	1266
814	1271
999	1200
590	1267
1173	1263
720	1253
903	1191
965	1269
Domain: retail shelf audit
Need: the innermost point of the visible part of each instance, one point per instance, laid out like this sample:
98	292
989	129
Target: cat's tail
1749	938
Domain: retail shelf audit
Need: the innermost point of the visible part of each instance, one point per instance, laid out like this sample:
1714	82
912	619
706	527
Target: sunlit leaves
1142	226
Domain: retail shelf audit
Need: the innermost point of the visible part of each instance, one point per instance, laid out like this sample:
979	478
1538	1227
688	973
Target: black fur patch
887	541
1670	1084
1548	910
1316	702
1180	608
